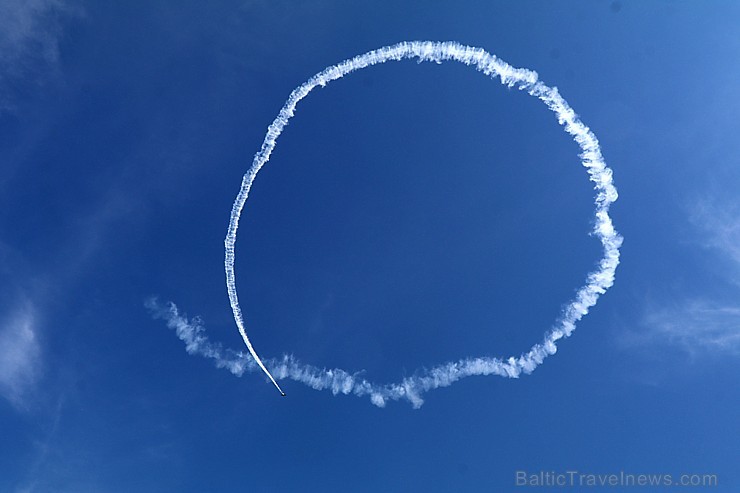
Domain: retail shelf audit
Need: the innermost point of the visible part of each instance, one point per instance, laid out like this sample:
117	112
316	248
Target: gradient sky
412	214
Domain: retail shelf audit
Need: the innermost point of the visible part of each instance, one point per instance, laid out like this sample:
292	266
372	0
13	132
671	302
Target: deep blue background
410	215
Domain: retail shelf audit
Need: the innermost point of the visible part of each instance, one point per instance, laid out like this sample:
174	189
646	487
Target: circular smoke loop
412	388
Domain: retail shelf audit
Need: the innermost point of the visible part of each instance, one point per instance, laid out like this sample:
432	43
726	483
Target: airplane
282	393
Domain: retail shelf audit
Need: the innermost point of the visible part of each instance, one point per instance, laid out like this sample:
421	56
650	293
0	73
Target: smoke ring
443	375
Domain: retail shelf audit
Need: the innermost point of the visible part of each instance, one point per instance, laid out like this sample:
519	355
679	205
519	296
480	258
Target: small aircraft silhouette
282	393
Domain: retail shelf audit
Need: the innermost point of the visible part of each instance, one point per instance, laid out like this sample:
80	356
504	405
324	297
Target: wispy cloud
719	228
20	355
29	43
697	326
35	472
702	324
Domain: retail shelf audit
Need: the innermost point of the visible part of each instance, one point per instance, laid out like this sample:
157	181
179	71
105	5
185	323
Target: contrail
444	375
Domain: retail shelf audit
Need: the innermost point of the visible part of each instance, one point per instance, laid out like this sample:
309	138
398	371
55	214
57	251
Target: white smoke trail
444	375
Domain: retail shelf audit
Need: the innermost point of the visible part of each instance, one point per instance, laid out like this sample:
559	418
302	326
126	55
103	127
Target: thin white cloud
29	42
20	356
697	326
719	226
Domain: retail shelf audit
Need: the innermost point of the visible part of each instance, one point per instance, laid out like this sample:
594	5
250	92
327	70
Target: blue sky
411	214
